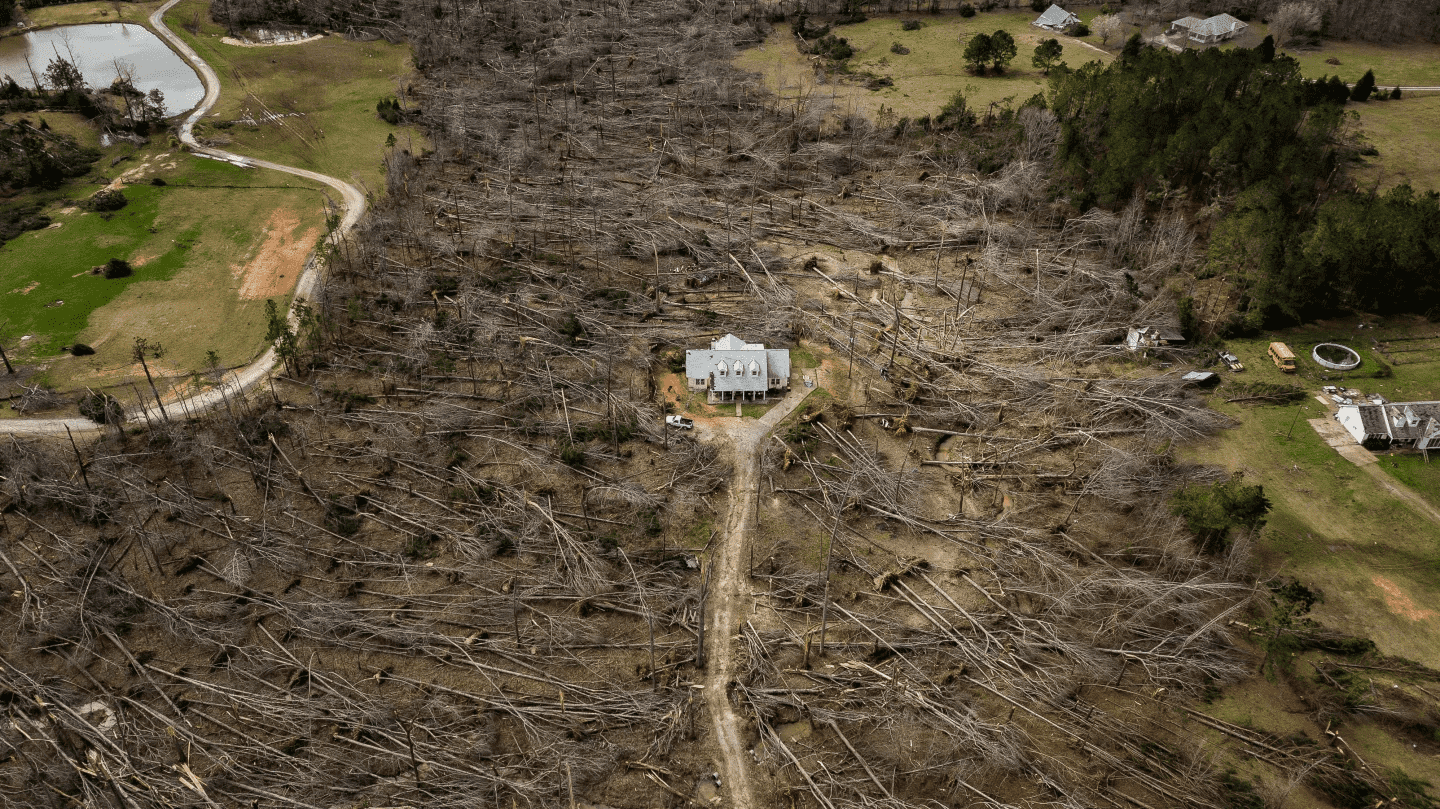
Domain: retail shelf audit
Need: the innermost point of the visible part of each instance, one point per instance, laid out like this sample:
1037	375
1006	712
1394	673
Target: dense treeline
1300	259
1238	128
335	14
1204	120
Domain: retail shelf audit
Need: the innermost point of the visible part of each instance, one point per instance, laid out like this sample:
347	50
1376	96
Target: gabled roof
1056	17
733	353
1219	25
728	343
1187	22
779	361
1372	420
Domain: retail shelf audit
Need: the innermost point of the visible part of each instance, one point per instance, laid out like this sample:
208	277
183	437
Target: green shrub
117	268
572	455
1080	30
910	25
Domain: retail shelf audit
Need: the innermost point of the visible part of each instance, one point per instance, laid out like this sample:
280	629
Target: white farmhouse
732	370
1414	425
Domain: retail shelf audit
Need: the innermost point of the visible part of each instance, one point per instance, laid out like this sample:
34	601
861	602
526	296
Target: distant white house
732	370
1414	425
1056	19
1209	30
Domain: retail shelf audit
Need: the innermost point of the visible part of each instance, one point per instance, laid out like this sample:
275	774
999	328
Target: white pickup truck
680	422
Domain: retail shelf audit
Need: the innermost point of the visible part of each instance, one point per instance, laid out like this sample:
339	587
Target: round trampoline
1335	357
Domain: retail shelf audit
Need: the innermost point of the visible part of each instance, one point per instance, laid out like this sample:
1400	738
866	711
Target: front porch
724	396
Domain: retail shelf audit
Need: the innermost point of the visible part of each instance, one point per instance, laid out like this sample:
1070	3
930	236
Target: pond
95	50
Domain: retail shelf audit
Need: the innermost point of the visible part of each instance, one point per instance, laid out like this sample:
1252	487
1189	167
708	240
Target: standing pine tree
1002	50
1364	88
1132	46
1336	90
1267	49
1047	55
977	53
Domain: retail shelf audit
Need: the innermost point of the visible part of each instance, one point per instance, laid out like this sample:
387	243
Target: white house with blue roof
732	370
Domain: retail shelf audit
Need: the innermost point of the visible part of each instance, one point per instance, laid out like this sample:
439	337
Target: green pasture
1408	64
86	13
325	91
1406	133
187	240
1334	527
925	78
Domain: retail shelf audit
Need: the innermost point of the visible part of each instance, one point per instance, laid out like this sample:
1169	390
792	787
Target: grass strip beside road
324	91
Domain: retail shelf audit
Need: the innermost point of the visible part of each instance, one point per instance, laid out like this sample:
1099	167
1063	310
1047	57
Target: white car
680	422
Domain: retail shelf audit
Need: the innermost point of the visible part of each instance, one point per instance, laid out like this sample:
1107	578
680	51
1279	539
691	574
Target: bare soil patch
279	259
1398	602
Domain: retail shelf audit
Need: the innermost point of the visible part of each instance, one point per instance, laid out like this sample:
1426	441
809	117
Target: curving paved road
241	379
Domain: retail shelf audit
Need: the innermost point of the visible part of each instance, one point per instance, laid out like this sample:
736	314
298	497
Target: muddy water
94	49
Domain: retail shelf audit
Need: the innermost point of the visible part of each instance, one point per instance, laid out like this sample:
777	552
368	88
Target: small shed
1056	19
1140	338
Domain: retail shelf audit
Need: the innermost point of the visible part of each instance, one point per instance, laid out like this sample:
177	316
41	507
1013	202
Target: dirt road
241	379
728	595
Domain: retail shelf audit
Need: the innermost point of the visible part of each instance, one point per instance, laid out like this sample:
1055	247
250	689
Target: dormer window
754	368
739	368
723	369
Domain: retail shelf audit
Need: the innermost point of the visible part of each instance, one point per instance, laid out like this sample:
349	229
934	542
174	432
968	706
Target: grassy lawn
1410	65
926	77
63	123
332	83
195	242
82	13
1334	527
1407	135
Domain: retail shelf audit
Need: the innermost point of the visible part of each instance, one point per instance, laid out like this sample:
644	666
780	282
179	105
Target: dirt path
1403	492
728	596
241	379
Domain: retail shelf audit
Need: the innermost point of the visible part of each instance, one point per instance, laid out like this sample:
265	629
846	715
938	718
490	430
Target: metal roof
1219	25
756	364
1056	17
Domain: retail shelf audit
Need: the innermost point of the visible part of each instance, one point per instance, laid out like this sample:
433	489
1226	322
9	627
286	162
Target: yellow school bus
1284	358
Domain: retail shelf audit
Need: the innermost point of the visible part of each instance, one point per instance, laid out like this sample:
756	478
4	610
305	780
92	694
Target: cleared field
926	77
206	248
1409	64
323	92
1407	135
